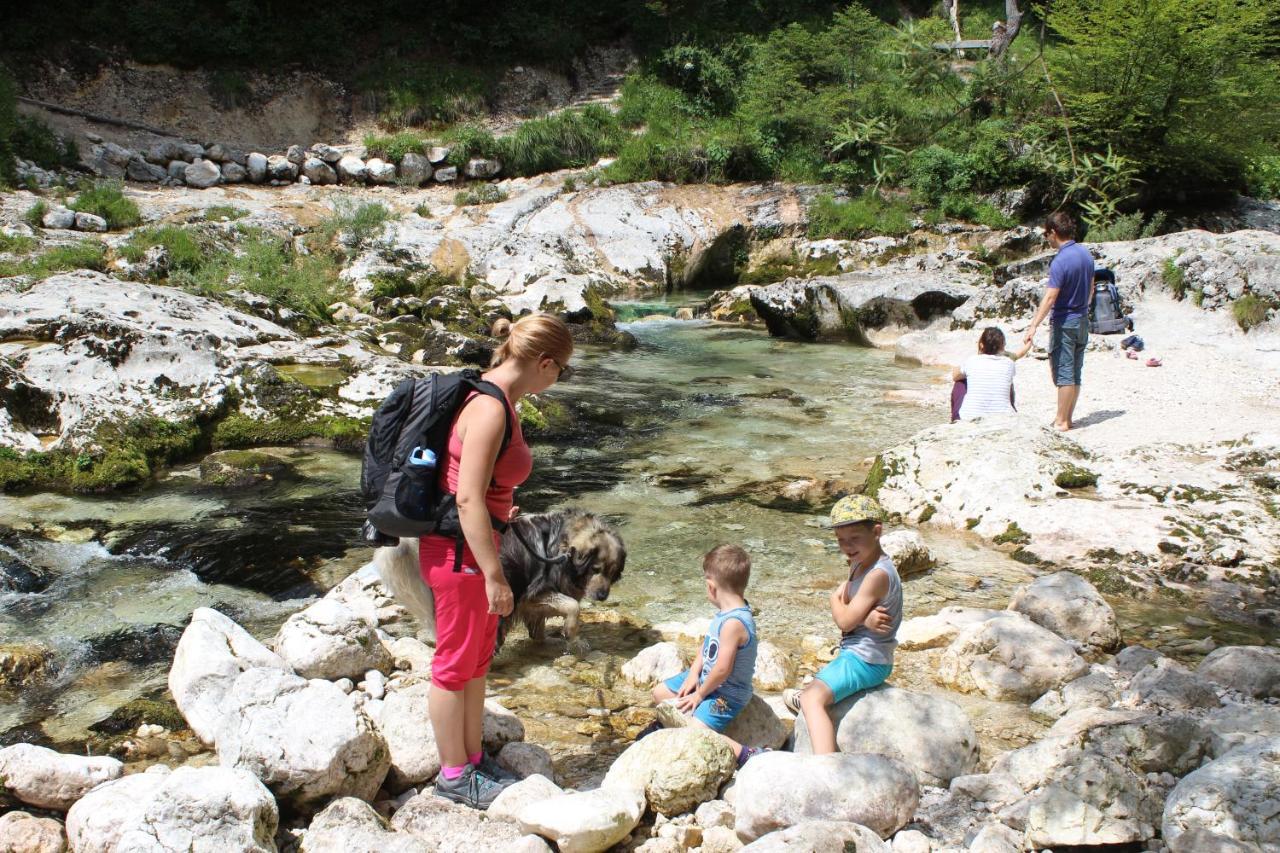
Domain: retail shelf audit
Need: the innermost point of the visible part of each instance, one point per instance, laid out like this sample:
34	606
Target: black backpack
404	499
1105	315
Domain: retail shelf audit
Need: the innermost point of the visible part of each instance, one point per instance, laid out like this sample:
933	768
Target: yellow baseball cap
855	508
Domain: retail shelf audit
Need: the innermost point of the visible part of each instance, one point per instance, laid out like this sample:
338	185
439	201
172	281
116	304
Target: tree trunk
1003	34
953	13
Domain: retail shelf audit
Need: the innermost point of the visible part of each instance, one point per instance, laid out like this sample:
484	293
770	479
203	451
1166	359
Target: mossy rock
237	468
877	476
22	663
1012	534
126	718
1075	477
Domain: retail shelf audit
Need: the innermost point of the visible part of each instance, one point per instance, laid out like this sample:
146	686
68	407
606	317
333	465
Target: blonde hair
532	337
729	566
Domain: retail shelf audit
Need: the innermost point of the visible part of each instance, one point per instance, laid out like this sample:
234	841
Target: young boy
867	609
718	685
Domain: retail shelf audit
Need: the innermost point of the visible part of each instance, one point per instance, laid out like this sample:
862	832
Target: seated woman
984	383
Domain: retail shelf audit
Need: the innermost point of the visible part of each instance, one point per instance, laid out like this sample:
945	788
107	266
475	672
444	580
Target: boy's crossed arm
733	635
865	607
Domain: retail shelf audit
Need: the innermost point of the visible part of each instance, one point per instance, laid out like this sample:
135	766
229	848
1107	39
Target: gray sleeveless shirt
869	645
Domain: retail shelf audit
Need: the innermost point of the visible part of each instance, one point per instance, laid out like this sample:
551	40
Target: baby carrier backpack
1105	317
399	480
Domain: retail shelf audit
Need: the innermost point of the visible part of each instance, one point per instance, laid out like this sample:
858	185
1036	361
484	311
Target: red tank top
512	467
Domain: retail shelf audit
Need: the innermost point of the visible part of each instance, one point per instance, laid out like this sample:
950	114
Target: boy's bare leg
814	701
662	693
736	746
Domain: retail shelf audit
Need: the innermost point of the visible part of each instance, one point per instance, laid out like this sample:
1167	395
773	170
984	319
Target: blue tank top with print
736	689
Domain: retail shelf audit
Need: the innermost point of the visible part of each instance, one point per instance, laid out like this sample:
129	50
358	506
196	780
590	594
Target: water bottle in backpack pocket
418	489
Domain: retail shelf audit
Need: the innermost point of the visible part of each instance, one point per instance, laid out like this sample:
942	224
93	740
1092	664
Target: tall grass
566	140
865	216
107	199
1249	311
358	224
84	255
268	266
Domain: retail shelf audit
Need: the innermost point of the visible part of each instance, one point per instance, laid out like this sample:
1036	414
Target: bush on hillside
8	126
107	199
866	216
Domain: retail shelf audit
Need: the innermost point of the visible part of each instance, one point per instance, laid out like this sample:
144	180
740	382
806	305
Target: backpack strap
490	390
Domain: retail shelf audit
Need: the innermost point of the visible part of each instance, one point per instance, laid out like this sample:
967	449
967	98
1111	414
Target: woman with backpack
470	590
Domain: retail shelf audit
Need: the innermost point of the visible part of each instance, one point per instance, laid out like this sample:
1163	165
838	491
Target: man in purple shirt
1068	296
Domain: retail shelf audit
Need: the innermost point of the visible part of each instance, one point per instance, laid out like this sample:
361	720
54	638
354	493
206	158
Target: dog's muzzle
597	588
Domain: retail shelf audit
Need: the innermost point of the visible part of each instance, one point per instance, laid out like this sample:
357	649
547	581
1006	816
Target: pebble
1196	622
344	684
375	684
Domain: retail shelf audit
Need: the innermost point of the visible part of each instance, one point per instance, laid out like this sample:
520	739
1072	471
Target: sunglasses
566	370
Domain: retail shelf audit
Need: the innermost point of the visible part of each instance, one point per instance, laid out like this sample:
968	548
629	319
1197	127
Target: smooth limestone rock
1009	657
996	838
213	652
330	640
587	821
756	725
90	222
527	759
415	169
319	172
655	663
777	790
678	769
177	172
202	174
188	809
1251	670
59	217
1230	804
1069	606
929	733
448	827
1240	725
714	813
1132	659
528	791
306	740
775	670
348	825
256	166
296	154
1169	685
1097	689
352	170
938	630
912	841
46	779
281	168
446	174
145	173
325	152
24	833
909	553
821	836
380	171
438	154
234	173
482	169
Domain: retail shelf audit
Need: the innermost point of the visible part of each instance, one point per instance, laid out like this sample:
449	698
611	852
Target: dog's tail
398	568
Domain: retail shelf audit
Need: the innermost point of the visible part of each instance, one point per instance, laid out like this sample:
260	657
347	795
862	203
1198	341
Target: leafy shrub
224	213
357	223
269	267
35	141
16	244
482	194
1175	278
1128	226
701	74
107	199
1263	176
471	140
970	209
393	148
34	215
84	255
568	139
864	216
1249	311
423	211
413	94
8	125
936	172
181	244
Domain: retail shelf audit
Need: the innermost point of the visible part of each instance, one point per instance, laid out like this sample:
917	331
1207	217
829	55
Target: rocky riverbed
1092	657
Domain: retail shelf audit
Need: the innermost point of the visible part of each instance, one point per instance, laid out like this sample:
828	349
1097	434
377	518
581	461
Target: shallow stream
686	441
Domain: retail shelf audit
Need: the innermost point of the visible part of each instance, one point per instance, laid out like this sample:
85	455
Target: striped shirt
990	379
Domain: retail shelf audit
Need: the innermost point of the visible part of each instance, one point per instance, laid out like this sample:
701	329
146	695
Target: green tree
1185	89
8	125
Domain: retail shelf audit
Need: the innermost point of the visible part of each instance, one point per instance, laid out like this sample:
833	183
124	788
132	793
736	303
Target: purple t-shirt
1071	274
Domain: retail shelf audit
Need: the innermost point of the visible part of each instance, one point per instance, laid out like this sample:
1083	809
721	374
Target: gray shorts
1066	350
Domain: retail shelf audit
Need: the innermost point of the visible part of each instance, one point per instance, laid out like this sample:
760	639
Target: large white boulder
348	825
587	821
212	653
777	790
448	827
1169	685
319	172
306	740
909	553
678	769
756	725
256	166
24	833
1069	606
821	836
516	796
1099	688
380	171
655	663
482	169
775	670
281	168
1251	670
330	640
938	630
352	170
527	759
929	733
415	169
50	780
202	174
1229	804
188	809
1009	657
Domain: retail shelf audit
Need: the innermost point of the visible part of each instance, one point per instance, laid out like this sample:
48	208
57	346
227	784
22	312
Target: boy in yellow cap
867	609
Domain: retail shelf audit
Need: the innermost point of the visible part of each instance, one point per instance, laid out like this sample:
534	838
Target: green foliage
481	194
224	213
230	88
84	255
8	126
423	211
107	199
1249	311
790	266
356	223
970	209
404	282
1186	90
393	147
471	140
185	251
864	216
34	215
1075	477
239	430
35	141
565	140
409	93
16	244
1263	176
1128	226
1175	278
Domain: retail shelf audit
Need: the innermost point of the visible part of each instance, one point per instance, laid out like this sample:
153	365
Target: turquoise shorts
716	712
849	674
